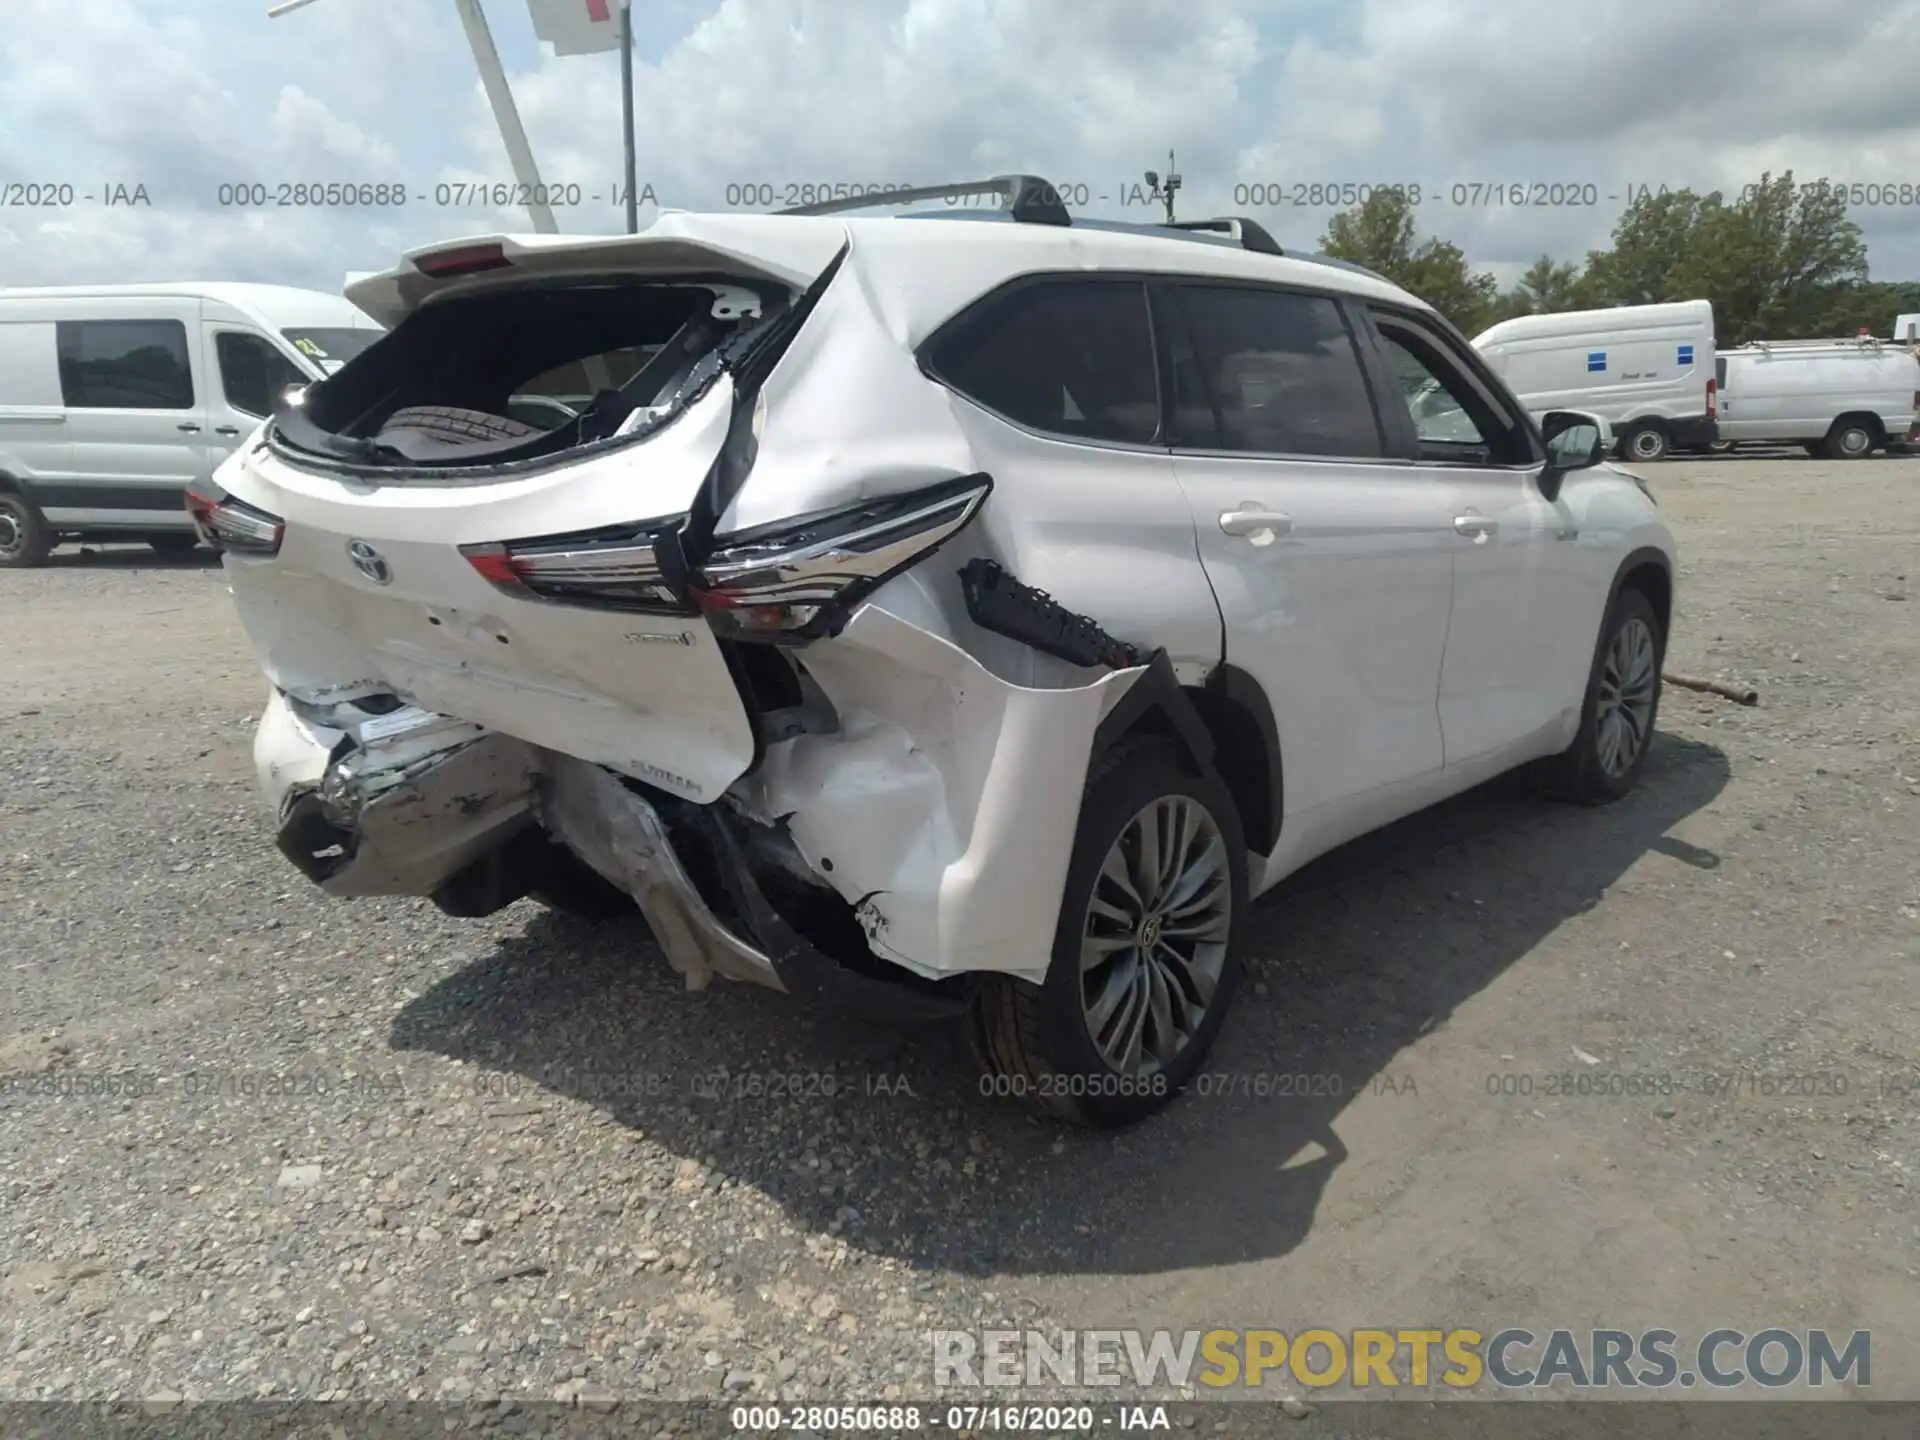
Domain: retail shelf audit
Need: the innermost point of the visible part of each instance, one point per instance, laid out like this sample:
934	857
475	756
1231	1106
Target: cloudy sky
741	98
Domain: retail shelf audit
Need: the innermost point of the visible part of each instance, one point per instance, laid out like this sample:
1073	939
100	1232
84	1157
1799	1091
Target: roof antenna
1164	190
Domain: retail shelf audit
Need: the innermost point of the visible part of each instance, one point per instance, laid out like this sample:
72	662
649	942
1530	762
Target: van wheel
183	543
1851	439
1618	714
24	537
1646	441
1816	448
1146	959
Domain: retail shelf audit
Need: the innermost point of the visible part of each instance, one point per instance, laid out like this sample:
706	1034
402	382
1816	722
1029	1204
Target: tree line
1781	262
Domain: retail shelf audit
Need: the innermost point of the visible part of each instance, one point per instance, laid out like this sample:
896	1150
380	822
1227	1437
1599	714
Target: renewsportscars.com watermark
1511	1359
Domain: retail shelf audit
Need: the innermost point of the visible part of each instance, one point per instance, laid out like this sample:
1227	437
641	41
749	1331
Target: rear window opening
523	373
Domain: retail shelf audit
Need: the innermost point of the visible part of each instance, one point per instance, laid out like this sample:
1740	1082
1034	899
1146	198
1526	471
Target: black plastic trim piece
1264	816
808	973
82	496
306	831
1000	603
1158	690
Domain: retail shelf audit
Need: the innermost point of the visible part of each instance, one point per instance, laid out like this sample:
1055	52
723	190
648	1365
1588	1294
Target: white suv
944	615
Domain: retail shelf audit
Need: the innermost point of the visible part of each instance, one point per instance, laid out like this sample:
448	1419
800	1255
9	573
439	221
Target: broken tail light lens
612	569
232	526
797	580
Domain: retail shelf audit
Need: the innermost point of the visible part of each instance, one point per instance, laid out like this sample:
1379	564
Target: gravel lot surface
363	1150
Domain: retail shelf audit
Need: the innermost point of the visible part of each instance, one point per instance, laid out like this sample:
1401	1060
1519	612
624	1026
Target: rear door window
1282	373
125	365
1072	358
253	374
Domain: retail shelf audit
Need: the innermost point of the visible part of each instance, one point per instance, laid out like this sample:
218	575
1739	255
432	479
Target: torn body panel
945	807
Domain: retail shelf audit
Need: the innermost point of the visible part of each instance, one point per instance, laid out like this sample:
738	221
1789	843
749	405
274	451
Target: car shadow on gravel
886	1137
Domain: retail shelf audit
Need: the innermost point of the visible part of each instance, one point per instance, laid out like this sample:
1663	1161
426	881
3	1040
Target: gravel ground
363	1150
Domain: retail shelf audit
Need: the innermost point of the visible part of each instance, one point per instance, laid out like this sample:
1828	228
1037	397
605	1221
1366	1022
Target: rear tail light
789	583
1712	390
797	580
230	525
603	569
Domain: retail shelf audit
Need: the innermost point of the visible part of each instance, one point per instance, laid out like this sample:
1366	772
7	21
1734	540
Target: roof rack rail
1248	234
1025	198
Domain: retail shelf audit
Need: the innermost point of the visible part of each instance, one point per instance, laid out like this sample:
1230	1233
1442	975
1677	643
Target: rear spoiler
783	253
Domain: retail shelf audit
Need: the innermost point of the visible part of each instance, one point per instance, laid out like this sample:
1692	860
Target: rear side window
252	373
1072	358
1719	374
125	365
1282	372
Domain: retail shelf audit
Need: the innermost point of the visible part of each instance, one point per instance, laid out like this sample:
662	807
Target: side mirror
1576	440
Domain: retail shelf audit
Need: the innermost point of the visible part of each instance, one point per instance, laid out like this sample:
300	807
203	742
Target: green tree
1380	233
1781	261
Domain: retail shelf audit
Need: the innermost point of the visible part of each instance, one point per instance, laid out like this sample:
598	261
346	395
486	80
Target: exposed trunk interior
516	373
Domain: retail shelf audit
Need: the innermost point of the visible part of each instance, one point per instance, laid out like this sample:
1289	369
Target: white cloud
1609	93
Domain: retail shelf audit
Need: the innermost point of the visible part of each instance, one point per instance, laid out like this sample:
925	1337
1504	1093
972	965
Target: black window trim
195	401
1169	286
1435	330
1143	280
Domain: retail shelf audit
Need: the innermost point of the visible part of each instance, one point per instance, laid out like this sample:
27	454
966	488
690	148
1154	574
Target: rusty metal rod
1739	694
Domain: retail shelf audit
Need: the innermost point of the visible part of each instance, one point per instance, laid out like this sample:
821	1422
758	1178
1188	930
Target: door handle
1475	527
1250	519
226	429
190	427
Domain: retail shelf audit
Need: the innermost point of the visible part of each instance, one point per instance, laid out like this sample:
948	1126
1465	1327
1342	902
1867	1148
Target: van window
331	346
252	372
1282	372
1720	372
125	365
1070	357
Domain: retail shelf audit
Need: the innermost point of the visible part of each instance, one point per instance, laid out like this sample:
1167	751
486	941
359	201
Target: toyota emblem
369	562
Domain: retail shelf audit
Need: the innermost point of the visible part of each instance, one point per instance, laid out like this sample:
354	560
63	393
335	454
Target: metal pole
626	113
500	96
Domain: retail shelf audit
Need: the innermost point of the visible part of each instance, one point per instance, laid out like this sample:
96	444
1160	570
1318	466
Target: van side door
136	409
35	453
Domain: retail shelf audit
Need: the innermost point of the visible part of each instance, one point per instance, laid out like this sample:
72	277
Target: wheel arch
1650	571
1225	725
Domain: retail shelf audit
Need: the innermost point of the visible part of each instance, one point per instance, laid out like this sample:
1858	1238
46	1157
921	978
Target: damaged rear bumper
360	822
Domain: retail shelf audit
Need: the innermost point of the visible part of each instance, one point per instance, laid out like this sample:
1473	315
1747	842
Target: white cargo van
1646	369
113	398
1838	398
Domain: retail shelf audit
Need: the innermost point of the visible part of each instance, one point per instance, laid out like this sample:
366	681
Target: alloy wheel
1154	941
1623	718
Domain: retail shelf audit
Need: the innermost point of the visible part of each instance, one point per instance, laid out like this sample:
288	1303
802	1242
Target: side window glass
1282	372
252	373
125	364
1439	414
1069	357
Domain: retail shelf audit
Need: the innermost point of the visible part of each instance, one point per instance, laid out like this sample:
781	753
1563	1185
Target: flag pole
506	115
626	113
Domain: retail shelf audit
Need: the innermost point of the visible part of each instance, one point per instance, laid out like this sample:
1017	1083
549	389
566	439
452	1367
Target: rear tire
1159	853
1816	448
1646	442
1620	710
1852	438
24	537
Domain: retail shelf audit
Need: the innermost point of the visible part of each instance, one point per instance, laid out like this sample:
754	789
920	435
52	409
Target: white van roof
277	306
1617	320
